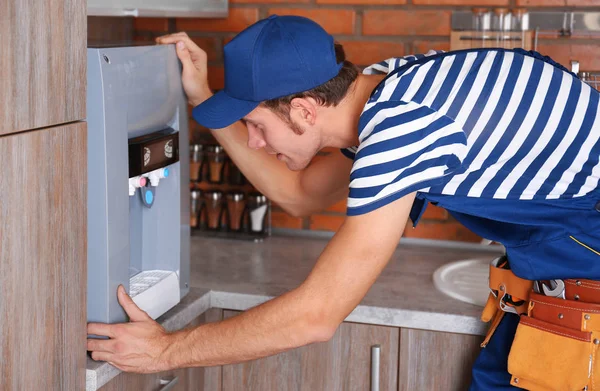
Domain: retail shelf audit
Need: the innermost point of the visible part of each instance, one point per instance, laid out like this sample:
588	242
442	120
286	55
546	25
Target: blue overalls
546	239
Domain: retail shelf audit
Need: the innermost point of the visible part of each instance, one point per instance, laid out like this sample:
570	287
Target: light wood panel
189	379
43	195
432	360
42	63
341	364
132	381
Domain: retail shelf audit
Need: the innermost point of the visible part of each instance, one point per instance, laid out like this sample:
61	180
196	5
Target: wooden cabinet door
132	381
341	364
42	63
431	360
188	379
209	378
43	261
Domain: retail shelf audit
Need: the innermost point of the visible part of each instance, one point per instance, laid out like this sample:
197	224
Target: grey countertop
238	275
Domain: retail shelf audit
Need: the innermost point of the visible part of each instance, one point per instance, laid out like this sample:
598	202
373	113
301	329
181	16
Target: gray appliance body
132	92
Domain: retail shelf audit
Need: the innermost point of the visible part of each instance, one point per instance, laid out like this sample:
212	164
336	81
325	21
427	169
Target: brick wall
371	30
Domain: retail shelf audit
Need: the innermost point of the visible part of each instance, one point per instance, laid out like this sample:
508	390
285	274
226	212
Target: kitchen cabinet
185	379
431	360
409	360
43	259
42	63
342	363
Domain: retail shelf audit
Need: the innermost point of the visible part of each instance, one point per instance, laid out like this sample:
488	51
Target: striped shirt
484	123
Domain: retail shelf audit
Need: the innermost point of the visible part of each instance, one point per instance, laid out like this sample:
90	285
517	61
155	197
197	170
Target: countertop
238	275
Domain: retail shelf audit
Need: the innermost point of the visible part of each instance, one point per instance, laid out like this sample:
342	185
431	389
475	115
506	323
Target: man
507	141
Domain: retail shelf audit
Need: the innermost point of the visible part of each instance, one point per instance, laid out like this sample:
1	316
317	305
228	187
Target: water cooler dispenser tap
156	175
134	183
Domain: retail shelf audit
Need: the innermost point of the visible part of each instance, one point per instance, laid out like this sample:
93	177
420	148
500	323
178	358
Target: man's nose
255	138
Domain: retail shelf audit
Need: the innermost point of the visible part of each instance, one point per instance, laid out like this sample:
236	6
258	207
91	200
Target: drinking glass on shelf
236	205
214	208
197	162
257	209
195	207
216	163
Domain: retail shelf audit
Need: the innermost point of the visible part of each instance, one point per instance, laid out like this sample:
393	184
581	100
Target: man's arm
345	271
320	185
300	193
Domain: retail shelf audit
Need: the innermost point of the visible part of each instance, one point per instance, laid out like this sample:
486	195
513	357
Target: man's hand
195	74
137	346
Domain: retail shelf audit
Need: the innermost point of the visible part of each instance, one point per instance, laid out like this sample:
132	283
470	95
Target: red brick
334	21
151	24
216	77
368	2
268	1
387	22
586	54
326	222
559	3
461	2
541	3
584	3
339	206
284	220
435	213
140	39
422	47
441	231
369	52
238	19
211	45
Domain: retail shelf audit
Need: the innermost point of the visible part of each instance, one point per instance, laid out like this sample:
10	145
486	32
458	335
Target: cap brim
221	110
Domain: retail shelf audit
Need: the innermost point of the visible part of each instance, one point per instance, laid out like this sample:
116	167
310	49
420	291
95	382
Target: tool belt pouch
545	356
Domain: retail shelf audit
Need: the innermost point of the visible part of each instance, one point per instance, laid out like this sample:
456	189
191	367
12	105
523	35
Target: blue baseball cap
275	57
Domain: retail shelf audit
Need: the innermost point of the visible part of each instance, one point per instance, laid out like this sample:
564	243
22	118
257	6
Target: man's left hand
138	346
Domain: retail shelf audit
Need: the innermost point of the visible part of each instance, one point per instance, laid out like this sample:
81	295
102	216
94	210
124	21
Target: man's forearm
286	322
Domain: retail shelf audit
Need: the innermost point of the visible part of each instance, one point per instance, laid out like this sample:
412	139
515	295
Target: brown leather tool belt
556	342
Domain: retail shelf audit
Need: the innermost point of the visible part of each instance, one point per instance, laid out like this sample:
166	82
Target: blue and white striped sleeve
404	147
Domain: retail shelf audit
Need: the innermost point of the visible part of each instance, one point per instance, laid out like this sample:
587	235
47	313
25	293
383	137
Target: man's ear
305	110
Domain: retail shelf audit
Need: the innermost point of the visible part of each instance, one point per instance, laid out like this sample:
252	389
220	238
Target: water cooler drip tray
155	291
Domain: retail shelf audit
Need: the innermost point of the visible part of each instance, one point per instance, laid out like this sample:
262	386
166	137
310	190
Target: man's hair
329	93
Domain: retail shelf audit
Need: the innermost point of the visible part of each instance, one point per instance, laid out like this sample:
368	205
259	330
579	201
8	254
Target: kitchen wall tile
366	2
371	52
216	77
334	21
238	19
151	24
392	22
446	231
326	222
211	45
280	219
485	3
435	213
422	47
588	55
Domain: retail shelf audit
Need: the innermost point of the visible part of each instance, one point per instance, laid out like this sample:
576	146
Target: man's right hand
194	75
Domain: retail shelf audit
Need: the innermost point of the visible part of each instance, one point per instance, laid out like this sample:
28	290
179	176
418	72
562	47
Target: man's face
266	130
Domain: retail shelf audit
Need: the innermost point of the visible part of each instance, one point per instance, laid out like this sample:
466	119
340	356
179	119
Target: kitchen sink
465	280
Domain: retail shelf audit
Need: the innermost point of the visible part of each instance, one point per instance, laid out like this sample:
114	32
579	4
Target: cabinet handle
375	353
168	383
